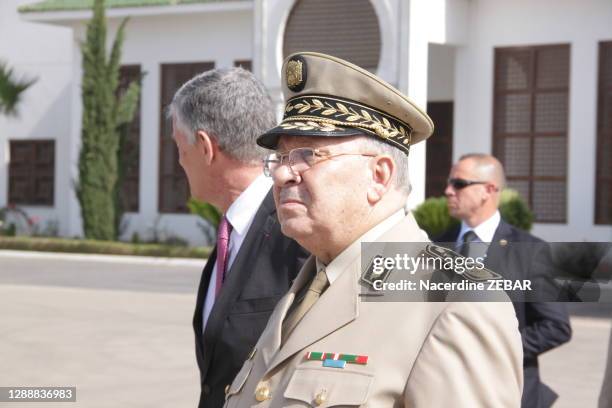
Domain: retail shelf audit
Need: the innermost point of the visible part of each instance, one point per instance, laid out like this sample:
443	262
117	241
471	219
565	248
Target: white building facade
528	81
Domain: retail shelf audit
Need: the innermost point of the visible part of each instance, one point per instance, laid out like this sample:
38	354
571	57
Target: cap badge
296	74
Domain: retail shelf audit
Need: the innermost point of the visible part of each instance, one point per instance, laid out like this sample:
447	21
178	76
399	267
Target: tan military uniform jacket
419	354
605	397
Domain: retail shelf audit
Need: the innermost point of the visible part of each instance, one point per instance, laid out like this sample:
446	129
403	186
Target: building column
4	167
412	80
267	37
149	145
71	213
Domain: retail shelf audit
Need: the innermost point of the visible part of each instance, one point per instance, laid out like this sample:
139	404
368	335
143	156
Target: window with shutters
173	186
530	125
130	133
346	29
603	182
31	172
245	64
439	148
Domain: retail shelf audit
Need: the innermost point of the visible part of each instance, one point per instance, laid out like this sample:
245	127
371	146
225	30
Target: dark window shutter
245	64
346	29
439	148
603	182
530	125
32	172
173	186
131	132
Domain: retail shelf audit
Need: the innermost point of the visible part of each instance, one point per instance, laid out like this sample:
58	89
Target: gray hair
229	104
402	176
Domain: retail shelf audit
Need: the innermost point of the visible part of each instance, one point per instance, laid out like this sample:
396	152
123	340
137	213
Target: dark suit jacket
543	325
260	275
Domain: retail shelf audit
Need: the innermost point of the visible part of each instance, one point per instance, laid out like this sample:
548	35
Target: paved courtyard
119	329
120	348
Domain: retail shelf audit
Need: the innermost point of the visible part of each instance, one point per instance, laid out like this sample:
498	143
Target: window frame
533	91
128	73
600	217
178	173
35	172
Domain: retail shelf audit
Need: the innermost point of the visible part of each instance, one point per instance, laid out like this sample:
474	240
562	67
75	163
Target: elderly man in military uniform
340	175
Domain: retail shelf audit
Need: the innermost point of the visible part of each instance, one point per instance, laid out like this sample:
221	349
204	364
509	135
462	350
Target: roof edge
71	16
36	7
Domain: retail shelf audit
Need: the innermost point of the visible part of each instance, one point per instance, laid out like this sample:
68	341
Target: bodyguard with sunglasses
473	194
339	163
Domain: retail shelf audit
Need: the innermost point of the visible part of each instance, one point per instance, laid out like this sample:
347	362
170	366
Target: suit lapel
204	281
253	245
198	317
449	237
496	253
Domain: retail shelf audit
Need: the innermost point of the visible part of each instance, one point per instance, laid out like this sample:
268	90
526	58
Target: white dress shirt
240	215
484	231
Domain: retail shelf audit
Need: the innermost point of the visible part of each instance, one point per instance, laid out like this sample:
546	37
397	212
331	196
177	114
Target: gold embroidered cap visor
329	97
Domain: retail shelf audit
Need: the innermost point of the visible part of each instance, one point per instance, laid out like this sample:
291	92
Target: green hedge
101	247
432	215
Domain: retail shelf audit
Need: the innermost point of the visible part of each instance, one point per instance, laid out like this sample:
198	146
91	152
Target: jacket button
206	389
262	392
320	398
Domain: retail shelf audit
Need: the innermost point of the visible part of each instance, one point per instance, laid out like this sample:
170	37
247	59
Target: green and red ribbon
349	358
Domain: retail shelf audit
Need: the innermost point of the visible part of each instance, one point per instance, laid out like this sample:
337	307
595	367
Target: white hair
230	105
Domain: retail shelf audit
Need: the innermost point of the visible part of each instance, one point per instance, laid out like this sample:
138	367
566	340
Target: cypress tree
103	114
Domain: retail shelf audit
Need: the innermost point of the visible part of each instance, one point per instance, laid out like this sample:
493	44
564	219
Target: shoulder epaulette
471	274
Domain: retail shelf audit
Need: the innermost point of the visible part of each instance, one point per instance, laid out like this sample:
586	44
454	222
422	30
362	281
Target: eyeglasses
301	159
460	184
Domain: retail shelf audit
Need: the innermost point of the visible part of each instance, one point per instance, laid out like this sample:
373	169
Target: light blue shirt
484	231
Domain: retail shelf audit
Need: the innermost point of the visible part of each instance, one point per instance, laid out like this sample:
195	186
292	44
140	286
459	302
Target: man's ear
492	188
488	192
207	145
382	170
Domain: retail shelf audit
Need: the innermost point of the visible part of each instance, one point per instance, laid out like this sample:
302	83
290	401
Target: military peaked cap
327	96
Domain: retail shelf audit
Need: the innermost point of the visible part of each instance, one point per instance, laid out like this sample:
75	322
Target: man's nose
449	190
285	175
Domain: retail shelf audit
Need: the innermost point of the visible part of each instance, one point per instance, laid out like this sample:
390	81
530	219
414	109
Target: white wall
406	27
495	23
52	108
219	37
43	52
224	36
441	75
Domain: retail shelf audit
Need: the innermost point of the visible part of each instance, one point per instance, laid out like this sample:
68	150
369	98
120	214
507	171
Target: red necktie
223	236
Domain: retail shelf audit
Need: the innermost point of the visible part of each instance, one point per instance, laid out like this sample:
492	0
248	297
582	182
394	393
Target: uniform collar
335	267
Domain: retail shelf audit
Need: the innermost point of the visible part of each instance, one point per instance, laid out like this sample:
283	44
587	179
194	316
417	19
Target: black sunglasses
460	184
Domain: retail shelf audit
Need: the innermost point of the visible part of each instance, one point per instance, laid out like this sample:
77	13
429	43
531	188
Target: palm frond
11	89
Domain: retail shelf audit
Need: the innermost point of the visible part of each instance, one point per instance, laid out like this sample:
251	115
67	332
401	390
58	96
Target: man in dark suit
473	193
216	118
